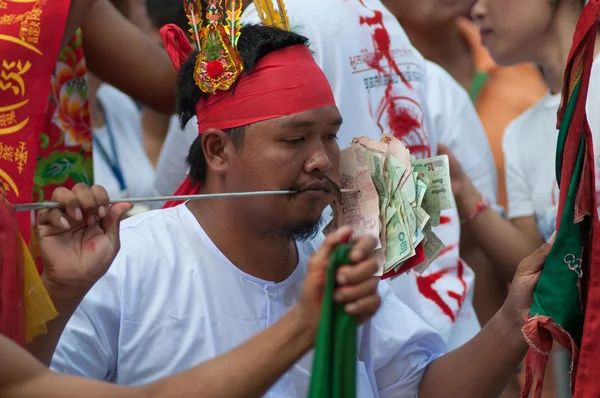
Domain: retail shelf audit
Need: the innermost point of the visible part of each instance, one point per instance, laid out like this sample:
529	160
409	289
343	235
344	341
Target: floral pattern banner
65	153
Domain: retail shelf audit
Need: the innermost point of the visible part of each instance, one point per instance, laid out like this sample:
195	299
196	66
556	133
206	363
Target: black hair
162	12
255	42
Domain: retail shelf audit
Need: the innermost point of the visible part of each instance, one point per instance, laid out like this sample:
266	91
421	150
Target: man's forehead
328	115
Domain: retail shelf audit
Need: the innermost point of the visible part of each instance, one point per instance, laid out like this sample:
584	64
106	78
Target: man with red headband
382	84
199	278
195	280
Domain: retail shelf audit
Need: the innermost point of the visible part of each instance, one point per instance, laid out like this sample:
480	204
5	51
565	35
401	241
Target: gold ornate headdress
218	64
271	16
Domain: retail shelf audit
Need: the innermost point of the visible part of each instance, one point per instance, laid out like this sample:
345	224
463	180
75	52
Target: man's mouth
318	188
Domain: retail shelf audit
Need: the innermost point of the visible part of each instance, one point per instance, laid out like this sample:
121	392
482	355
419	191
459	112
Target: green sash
334	367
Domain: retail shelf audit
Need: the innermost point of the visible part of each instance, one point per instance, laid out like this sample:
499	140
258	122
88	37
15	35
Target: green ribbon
334	366
557	292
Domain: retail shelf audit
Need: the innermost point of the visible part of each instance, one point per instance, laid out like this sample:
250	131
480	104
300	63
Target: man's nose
319	160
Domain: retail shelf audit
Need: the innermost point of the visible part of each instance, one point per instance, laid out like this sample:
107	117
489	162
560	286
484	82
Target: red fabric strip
29	43
285	82
176	44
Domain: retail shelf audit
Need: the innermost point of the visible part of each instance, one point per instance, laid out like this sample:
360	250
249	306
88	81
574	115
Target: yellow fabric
39	308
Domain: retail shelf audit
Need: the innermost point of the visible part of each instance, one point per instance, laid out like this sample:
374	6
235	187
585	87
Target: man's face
297	152
425	13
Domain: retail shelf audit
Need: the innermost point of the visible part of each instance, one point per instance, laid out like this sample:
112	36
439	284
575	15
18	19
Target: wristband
481	206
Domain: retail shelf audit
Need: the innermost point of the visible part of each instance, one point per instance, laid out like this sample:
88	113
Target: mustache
325	183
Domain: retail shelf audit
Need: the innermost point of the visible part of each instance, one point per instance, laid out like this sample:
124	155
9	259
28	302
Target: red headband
285	82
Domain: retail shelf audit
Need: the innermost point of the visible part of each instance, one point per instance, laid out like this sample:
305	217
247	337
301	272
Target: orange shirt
506	93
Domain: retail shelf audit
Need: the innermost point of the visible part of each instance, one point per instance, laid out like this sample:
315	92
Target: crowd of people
222	298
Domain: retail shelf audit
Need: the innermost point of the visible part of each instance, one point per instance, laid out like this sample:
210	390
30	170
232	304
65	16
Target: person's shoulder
523	126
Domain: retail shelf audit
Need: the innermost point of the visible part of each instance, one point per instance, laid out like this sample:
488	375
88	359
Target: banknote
395	171
396	149
421	188
438	195
434	221
432	246
360	209
398	247
422	218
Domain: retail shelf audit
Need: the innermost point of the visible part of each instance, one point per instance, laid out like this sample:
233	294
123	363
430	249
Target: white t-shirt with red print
382	83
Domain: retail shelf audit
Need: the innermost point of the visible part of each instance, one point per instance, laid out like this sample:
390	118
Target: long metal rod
54	205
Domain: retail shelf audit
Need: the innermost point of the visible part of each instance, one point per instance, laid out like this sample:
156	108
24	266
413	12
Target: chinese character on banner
30	37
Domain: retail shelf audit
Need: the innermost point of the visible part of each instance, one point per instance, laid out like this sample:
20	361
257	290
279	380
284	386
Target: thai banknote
359	209
432	246
398	245
438	195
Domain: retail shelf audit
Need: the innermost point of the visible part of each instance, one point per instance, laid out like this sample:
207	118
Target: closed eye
294	140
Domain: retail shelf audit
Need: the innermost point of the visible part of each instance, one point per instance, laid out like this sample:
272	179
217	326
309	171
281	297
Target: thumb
110	223
535	261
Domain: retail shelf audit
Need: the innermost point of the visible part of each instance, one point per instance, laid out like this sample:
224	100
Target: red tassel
540	333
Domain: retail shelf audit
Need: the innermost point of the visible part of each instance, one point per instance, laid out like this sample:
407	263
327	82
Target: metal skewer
54	205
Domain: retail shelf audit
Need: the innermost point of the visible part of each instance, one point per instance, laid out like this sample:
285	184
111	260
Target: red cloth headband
285	82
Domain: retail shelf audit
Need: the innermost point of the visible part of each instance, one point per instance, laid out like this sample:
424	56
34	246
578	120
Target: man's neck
265	256
446	46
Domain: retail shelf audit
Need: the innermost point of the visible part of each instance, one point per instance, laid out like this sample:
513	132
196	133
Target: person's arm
78	11
506	242
482	367
247	371
121	55
501	239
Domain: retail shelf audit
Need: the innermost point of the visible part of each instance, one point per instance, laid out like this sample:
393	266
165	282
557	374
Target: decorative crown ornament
271	16
218	64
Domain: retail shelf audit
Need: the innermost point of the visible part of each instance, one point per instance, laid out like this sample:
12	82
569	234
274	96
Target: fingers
535	261
365	307
358	289
110	223
350	293
362	248
81	204
321	257
349	275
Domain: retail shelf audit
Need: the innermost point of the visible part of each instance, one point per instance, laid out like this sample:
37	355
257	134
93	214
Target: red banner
30	36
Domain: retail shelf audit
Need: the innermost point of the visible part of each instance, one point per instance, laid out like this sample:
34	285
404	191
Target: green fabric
334	366
479	81
557	292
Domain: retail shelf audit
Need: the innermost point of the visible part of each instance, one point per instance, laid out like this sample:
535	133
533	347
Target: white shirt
348	38
123	117
529	147
171	168
172	300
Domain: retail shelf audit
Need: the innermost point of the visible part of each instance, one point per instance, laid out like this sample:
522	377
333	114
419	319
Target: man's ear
214	146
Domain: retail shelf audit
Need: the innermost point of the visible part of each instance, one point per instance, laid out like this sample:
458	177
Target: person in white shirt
539	32
382	83
121	164
197	279
74	259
